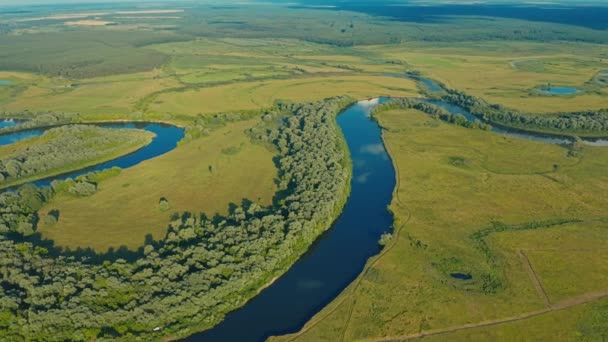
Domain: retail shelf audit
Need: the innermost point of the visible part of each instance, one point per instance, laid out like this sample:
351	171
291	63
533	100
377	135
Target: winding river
339	255
165	140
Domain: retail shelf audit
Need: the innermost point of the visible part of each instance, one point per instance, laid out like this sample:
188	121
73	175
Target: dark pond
461	276
336	259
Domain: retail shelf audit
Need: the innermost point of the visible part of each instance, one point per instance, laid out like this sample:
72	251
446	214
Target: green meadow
523	220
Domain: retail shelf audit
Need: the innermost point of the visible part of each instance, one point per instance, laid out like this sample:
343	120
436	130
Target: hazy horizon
75	2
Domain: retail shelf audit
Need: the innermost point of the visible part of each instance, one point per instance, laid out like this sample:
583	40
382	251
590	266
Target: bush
83	189
385	239
163	204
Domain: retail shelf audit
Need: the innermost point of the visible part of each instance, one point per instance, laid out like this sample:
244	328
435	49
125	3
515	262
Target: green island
184	170
63	149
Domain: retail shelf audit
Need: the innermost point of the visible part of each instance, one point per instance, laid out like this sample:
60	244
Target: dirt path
537	284
563	305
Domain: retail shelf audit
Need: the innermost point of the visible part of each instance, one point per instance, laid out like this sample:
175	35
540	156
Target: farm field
454	182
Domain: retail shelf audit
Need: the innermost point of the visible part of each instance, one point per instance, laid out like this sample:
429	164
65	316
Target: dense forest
200	271
584	122
62	147
100	53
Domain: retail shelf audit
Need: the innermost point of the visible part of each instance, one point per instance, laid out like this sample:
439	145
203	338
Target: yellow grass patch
252	95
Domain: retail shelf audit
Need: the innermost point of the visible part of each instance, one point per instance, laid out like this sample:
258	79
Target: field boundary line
537	284
563	305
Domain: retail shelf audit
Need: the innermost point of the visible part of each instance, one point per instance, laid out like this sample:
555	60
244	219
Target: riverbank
455	182
345	247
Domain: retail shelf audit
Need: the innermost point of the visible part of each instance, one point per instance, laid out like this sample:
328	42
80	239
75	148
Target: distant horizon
303	2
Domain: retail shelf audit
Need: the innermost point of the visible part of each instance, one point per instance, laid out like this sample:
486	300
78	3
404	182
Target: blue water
560	91
7	139
604	74
430	84
336	259
546	138
167	137
461	276
8	123
5	83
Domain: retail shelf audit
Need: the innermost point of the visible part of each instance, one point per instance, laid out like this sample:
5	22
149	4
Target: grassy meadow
253	95
453	183
508	73
200	176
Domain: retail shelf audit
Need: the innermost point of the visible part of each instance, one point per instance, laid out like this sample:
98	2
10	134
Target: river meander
339	255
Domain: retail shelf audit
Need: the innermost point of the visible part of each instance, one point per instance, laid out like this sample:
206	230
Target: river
340	254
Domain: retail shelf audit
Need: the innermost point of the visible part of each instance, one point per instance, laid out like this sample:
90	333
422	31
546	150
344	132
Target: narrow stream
545	138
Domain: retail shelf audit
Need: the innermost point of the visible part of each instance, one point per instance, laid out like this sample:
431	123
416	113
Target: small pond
5	83
461	276
559	91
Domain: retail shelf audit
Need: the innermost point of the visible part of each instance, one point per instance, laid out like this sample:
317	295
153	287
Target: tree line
431	109
203	268
589	121
63	147
31	120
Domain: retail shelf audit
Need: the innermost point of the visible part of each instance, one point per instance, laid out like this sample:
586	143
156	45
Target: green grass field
454	182
196	177
508	72
254	95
